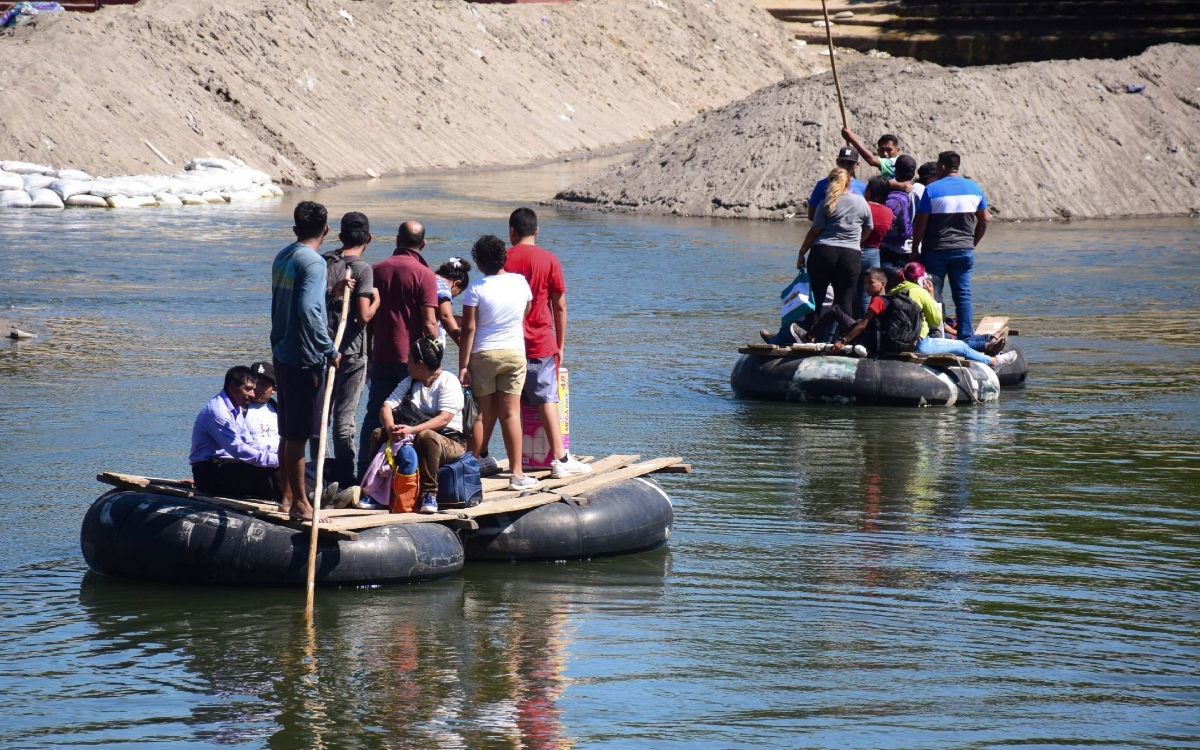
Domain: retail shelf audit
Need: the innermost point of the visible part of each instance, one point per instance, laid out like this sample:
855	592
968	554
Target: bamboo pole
833	64
321	445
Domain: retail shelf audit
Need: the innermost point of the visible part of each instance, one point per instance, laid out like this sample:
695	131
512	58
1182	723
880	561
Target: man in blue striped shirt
952	217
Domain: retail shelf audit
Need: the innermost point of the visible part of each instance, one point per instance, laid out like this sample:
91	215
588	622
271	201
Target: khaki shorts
501	370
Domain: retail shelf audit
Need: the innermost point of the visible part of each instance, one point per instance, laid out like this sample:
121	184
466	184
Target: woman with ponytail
840	223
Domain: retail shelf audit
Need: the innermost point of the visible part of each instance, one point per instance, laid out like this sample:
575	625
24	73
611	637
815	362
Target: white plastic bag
212	164
67	188
128	201
73	174
36	182
167	199
44	198
84	200
212	197
14	199
11	181
191	199
24	167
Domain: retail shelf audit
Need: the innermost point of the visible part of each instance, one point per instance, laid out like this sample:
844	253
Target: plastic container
535	446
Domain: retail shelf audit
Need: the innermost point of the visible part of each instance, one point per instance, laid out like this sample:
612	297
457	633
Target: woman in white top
437	399
491	350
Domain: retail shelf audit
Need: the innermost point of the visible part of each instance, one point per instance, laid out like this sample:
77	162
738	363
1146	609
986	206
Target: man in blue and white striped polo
952	217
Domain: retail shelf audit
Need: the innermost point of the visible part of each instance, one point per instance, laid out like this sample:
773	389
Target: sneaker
428	504
568	467
523	483
859	350
1007	358
347	497
488	465
366	503
798	333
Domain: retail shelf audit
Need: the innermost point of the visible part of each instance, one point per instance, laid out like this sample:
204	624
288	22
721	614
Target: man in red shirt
545	331
407	306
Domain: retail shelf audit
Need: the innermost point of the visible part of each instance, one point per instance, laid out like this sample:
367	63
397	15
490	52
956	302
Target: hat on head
928	169
355	222
846	153
263	370
905	168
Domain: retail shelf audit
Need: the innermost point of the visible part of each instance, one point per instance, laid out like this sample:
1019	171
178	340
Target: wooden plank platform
343	524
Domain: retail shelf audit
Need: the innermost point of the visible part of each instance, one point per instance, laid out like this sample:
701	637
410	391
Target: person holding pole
301	348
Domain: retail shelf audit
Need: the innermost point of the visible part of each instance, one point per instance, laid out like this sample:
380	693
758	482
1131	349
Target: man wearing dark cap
407	311
351	376
262	413
896	249
848	160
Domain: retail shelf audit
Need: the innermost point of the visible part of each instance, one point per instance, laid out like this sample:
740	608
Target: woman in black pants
833	245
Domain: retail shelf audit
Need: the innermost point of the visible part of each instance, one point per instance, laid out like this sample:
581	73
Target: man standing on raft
302	349
545	332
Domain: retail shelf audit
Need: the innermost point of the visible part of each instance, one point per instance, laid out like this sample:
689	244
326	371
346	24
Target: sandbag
167	199
130	201
44	198
211	197
73	174
190	199
103	188
83	200
275	190
156	183
36	182
66	188
264	192
110	186
209	163
14	199
24	167
11	181
243	196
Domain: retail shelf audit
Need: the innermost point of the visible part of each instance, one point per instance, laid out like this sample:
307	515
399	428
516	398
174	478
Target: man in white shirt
262	414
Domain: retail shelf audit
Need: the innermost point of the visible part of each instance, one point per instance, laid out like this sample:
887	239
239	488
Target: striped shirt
951	203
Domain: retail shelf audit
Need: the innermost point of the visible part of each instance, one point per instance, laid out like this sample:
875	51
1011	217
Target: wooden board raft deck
497	498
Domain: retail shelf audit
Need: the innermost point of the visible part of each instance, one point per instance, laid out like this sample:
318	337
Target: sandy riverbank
1080	138
327	89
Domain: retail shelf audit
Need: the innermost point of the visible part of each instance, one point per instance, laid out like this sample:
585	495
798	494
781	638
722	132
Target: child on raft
452	278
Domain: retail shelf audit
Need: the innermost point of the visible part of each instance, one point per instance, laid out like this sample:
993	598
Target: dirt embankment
324	89
1082	138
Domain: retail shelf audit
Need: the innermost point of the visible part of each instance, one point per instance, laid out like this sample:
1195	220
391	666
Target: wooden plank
991	325
674	469
499	481
612	477
603	465
348	523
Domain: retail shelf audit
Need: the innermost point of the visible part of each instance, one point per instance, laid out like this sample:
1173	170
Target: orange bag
404	479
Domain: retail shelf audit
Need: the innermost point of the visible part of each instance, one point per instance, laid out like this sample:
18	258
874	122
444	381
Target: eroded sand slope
321	89
1046	140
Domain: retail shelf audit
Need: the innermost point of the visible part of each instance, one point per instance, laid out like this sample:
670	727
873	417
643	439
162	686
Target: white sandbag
83	200
130	201
213	197
263	192
212	164
103	188
275	189
257	177
44	198
72	174
11	181
242	196
67	188
166	199
157	183
14	199
24	167
239	181
108	187
190	199
36	182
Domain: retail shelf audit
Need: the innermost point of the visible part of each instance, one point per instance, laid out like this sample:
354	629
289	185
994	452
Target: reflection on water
1022	573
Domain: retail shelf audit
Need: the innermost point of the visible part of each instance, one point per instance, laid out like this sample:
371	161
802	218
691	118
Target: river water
1023	574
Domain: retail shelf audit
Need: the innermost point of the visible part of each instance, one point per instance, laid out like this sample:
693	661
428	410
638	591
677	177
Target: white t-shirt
500	317
264	422
446	394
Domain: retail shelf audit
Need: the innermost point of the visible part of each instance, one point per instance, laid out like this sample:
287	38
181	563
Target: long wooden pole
321	445
833	64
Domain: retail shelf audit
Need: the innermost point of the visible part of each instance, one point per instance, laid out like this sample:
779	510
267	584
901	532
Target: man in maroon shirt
545	331
407	305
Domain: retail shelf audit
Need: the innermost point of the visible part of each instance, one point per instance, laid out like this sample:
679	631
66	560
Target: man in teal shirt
301	348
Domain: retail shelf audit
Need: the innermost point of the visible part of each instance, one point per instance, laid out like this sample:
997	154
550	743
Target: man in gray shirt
355	235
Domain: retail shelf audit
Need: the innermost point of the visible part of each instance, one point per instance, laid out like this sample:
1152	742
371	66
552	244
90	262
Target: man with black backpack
893	322
355	235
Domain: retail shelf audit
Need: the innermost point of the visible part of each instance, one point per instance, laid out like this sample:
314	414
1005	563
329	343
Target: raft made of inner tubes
629	516
154	537
848	380
1015	372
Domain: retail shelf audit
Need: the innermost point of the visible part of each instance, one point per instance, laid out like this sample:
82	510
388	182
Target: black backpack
898	329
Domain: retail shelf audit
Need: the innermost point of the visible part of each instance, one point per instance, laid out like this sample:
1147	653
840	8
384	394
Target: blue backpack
459	483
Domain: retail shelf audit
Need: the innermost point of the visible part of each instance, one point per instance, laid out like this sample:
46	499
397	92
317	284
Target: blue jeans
955	265
870	259
383	380
951	346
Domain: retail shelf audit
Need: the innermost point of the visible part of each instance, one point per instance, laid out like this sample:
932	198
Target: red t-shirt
545	276
406	285
878	305
882	217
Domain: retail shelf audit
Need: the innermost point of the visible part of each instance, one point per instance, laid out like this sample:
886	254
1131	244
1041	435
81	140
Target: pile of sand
321	89
1083	138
